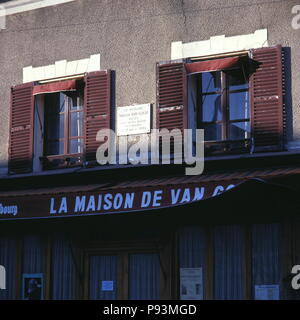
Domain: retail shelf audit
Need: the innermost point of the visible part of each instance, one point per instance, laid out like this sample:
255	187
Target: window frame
67	159
226	144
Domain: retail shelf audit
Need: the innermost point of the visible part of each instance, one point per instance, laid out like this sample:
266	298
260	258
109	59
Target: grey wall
131	36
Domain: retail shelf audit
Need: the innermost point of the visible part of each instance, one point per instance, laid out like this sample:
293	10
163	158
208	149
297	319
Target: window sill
112	167
54	162
227	147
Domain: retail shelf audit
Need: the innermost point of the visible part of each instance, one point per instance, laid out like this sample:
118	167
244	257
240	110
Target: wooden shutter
171	96
97	100
21	129
267	106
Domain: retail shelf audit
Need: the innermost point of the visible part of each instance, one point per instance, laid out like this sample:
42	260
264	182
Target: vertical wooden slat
165	250
209	265
19	263
79	272
21	129
248	263
267	109
171	93
97	100
123	272
47	267
175	279
86	275
81	257
286	258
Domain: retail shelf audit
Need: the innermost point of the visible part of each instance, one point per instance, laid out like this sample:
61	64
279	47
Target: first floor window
54	122
220	100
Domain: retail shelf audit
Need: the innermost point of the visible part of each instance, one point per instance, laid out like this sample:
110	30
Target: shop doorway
129	275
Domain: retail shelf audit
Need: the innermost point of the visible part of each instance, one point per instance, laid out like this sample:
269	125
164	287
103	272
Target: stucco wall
131	36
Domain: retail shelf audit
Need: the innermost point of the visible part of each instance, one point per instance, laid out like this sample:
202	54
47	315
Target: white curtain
103	268
192	246
8	260
265	255
63	270
33	255
144	277
228	263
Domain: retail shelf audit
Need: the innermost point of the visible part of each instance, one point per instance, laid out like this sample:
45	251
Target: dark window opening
64	137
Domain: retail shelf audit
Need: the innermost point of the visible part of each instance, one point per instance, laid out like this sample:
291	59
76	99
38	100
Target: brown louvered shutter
171	95
21	129
97	100
267	103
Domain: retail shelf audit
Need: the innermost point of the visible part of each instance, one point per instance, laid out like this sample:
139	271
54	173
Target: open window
63	128
54	124
219	103
238	100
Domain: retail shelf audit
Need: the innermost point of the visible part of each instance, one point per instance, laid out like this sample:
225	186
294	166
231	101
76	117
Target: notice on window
191	284
107	285
133	119
267	292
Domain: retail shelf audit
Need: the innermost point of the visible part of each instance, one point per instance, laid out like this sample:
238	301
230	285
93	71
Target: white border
61	69
219	44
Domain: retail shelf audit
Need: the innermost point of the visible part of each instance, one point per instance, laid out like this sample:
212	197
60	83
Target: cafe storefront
226	235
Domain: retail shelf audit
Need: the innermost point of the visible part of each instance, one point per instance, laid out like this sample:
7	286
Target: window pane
228	262
63	269
55	126
212	132
192	254
239	130
76	146
54	147
76	102
266	269
62	102
239	105
54	103
236	80
211	81
211	108
144	276
76	125
103	269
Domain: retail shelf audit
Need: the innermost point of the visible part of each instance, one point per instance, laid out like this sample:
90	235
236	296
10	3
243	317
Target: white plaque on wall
135	119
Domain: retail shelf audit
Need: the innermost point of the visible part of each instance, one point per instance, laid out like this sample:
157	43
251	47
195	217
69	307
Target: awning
212	65
68	85
140	194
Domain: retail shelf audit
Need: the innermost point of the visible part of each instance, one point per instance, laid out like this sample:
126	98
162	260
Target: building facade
76	227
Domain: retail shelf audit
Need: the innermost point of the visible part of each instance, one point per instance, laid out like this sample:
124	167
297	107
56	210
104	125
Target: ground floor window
223	260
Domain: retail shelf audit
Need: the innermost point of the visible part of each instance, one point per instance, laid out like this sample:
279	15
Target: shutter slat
266	88
97	110
21	129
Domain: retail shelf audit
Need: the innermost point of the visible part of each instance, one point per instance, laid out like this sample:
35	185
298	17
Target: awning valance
148	194
212	65
68	85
